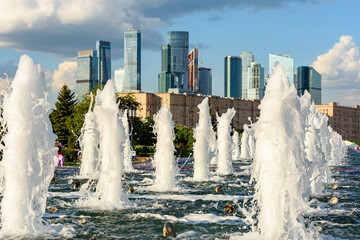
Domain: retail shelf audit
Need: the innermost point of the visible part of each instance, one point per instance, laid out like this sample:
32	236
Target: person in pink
61	159
56	160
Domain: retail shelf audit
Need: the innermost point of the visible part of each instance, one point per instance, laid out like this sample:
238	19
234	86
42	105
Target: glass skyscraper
86	72
309	79
103	49
232	76
132	60
119	79
179	43
256	87
205	81
166	79
193	70
284	60
246	59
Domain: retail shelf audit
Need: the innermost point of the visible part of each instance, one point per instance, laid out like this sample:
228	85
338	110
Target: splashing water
27	166
224	165
89	145
235	146
128	153
248	142
109	194
164	161
202	147
279	168
338	147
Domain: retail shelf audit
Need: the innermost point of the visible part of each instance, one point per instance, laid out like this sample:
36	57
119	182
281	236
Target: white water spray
128	153
27	166
235	146
224	164
109	194
202	147
89	145
279	168
164	160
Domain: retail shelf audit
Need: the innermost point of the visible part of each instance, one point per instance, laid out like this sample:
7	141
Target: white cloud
340	66
66	74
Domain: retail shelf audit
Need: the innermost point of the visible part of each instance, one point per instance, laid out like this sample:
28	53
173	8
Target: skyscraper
179	43
256	87
193	70
246	59
132	60
86	72
166	79
284	60
205	81
232	76
309	79
103	49
119	79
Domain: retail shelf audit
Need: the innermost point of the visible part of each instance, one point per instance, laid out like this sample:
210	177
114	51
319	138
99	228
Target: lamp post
131	116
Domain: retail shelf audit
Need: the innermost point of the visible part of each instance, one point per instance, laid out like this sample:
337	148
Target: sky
322	33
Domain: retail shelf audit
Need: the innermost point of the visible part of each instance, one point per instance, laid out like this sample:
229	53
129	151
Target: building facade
205	81
132	60
232	77
256	86
193	70
185	111
343	120
284	60
103	49
86	78
246	59
309	79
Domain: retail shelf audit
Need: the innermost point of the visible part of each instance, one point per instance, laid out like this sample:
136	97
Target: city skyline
281	27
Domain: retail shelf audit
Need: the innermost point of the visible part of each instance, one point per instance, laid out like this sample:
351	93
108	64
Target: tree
128	102
59	117
184	140
143	132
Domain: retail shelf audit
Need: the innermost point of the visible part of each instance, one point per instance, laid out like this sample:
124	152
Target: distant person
61	158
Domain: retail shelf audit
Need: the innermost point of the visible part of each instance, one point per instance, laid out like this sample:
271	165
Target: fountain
279	167
164	160
202	147
338	147
109	194
235	146
27	166
224	164
248	142
128	153
89	145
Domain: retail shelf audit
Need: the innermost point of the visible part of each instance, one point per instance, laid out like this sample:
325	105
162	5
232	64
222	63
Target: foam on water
27	167
89	141
203	151
128	153
224	164
164	159
109	194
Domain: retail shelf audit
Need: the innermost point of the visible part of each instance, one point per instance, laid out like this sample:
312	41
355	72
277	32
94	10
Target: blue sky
52	31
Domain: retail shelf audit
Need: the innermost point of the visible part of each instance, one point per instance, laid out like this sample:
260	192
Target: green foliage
355	141
184	140
144	151
70	155
143	131
128	102
64	108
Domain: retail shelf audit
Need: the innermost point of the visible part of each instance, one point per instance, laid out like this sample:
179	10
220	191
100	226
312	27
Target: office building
246	59
119	79
103	49
232	76
309	79
193	70
179	43
132	60
205	81
256	86
86	72
166	79
284	60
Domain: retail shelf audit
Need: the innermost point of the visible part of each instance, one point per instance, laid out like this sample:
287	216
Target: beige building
344	120
185	111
